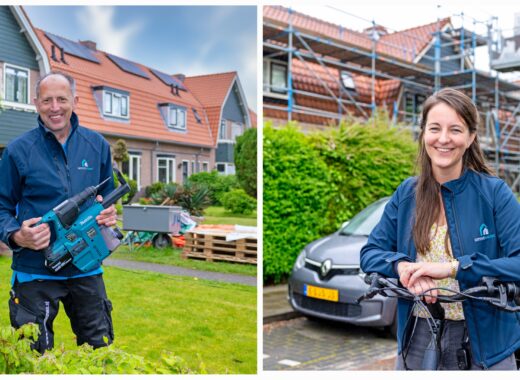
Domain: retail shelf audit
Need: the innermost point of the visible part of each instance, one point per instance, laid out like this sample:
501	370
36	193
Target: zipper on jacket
471	306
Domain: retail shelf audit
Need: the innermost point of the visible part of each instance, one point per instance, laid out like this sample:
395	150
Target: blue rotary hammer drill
79	239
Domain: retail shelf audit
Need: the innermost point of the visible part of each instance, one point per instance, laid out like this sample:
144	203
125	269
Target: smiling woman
426	237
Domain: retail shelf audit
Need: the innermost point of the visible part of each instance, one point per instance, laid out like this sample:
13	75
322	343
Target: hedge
313	183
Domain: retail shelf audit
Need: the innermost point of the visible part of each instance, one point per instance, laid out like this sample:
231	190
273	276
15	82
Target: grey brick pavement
324	346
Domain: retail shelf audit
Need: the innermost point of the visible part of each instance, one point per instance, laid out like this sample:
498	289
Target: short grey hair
70	79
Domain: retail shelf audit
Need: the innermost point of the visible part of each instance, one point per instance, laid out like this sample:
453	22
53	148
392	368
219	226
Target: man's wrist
11	242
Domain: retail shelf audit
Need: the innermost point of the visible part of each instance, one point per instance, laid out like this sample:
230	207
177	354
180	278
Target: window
205	166
236	130
193	167
222	134
275	78
413	105
165	169
132	168
16	84
176	117
347	81
185	171
197	117
115	104
225	168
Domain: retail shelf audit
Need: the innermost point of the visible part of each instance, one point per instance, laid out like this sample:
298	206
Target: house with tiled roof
223	98
331	68
164	125
22	61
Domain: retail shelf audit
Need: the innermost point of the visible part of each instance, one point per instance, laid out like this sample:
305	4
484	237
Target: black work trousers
85	302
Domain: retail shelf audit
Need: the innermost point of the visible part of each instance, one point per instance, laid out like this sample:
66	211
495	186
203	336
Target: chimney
90	44
174	89
53	53
180	77
62	55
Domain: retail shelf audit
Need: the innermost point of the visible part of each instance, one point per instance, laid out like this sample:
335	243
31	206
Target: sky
192	40
402	14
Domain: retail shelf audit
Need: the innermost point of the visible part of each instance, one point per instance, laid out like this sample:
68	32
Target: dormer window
174	116
113	104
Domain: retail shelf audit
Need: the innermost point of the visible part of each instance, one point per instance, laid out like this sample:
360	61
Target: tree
245	161
120	152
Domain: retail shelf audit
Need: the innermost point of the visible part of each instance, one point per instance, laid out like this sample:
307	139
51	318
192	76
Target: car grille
333	272
327	307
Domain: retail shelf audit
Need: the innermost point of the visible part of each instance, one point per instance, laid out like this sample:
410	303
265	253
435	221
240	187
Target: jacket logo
84	165
484	233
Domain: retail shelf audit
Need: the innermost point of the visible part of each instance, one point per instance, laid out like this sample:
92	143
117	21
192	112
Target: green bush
238	202
296	191
217	184
133	188
313	183
16	356
193	197
245	161
153	188
366	161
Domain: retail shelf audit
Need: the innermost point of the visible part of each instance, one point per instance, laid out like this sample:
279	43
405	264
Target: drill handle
114	196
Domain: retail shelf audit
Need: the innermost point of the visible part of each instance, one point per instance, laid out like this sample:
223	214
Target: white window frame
180	112
234	135
15	105
267	82
131	157
116	96
205	166
229	168
170	177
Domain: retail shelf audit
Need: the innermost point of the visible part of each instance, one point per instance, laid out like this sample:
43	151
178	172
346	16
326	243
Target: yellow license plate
321	293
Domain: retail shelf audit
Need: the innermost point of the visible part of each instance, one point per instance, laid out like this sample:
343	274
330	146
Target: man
39	170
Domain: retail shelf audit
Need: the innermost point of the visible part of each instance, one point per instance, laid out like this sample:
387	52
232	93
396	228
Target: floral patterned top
438	254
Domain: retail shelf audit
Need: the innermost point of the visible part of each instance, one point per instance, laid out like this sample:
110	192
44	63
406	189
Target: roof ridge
215	74
441	22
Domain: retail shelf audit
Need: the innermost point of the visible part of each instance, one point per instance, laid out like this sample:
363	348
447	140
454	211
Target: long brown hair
428	190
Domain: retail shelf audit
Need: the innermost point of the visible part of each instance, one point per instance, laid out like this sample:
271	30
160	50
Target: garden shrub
296	189
366	161
313	183
16	356
245	161
217	184
153	188
238	202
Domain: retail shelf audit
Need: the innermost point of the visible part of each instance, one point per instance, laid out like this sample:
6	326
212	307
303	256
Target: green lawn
197	320
217	215
172	256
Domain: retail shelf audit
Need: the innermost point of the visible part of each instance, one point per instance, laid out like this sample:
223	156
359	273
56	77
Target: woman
449	227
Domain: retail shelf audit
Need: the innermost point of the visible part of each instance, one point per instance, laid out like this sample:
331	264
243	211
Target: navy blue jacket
483	218
37	175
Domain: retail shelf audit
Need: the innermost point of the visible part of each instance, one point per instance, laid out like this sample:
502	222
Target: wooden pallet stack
213	246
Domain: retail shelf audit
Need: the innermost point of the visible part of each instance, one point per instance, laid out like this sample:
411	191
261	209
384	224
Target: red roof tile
145	95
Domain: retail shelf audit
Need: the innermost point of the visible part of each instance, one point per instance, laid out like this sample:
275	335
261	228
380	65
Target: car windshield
364	222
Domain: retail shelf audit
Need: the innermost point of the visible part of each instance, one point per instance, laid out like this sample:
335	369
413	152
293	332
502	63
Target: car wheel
161	241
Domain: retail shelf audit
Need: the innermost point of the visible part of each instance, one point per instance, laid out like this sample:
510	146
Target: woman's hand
418	277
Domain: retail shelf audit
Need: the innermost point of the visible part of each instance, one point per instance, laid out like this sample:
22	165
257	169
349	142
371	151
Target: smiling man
41	169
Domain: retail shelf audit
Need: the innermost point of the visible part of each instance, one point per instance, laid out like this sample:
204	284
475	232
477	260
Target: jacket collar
458	185
74	123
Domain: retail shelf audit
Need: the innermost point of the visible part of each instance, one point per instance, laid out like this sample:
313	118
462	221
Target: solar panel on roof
72	48
128	66
168	79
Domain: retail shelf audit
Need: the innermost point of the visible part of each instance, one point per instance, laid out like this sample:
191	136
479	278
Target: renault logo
325	267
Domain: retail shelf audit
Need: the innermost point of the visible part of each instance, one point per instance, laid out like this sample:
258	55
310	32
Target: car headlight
300	260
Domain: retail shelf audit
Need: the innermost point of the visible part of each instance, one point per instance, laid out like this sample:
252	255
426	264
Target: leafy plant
153	188
193	197
120	152
16	356
216	183
245	161
238	202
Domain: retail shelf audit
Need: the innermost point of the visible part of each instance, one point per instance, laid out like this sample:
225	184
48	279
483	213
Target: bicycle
497	293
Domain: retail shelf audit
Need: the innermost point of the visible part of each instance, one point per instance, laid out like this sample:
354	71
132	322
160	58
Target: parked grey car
326	278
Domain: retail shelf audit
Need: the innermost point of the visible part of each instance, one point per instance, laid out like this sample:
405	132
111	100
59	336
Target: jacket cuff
463	272
396	259
11	244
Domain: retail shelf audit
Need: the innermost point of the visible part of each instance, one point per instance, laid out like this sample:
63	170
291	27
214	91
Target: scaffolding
445	58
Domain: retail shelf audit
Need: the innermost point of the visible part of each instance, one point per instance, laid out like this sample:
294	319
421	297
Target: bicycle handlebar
497	293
